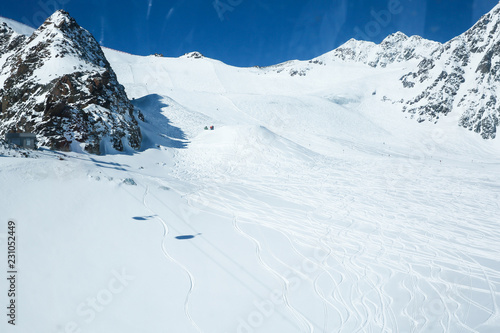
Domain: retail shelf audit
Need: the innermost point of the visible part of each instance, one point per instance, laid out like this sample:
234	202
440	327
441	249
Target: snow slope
17	26
312	207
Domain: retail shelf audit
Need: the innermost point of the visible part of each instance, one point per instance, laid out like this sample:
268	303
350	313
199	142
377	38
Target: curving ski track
169	257
385	270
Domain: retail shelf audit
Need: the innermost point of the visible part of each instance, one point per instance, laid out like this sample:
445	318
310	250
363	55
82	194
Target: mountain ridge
446	77
437	79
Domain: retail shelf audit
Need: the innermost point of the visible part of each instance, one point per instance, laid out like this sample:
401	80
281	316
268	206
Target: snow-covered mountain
58	84
315	205
459	76
77	98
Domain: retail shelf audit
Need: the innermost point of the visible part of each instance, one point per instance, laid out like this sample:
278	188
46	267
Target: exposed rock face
481	109
9	40
461	76
194	55
58	84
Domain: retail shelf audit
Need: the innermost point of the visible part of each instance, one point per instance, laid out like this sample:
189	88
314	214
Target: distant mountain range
461	75
58	84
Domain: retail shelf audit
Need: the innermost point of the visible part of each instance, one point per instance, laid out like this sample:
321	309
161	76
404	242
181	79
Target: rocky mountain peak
5	31
484	31
66	38
9	39
461	76
59	85
62	20
395	48
394	39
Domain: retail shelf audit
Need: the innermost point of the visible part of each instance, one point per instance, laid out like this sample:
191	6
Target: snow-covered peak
353	43
194	55
395	38
460	75
9	41
58	84
485	32
60	36
60	19
5	29
354	46
7	35
396	48
438	78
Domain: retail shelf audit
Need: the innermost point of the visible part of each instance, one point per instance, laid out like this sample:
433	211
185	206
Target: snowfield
313	206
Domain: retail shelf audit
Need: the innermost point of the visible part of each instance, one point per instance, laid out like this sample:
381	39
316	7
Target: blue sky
253	32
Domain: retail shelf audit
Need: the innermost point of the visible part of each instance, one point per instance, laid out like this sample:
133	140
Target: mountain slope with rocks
459	76
435	80
315	204
58	84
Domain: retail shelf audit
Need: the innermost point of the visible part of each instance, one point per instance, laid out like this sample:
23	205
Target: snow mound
241	148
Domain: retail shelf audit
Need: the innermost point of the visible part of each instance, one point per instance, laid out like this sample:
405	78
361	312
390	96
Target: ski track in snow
258	248
356	233
169	257
358	294
166	231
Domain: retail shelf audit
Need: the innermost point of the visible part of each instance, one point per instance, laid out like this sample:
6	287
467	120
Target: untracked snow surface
312	206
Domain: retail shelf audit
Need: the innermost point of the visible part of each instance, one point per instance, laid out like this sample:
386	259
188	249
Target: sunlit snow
312	206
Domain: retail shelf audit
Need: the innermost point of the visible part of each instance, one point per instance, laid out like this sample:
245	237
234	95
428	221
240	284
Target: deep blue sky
253	32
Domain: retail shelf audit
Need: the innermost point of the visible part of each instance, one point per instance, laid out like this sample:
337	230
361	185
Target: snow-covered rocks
458	76
9	40
194	55
58	84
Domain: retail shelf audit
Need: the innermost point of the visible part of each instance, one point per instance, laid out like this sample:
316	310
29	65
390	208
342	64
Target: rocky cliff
58	84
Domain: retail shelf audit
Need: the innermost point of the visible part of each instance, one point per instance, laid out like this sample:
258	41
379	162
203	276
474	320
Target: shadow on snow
184	237
143	218
157	128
